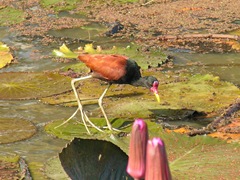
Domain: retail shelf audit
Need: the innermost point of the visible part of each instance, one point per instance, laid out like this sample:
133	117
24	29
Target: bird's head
153	83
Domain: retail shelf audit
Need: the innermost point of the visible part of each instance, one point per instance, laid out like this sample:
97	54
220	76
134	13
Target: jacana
114	69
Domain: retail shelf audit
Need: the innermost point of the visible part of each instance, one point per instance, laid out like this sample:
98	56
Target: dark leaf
94	159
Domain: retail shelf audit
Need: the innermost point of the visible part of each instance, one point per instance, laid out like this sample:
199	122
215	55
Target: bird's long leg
80	107
101	107
90	122
67	119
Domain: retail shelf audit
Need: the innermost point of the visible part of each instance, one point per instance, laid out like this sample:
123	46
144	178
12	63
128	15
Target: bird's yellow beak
157	97
154	89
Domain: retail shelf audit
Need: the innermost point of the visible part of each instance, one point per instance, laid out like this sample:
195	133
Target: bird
113	69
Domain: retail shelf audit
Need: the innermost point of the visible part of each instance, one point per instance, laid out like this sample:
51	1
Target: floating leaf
236	46
132	51
201	93
94	159
10	16
75	129
12	130
9	167
59	5
21	85
199	157
5	55
4	47
13	167
89	48
64	52
205	93
235	32
54	170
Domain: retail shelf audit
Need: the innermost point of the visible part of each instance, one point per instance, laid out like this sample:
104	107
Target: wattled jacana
114	69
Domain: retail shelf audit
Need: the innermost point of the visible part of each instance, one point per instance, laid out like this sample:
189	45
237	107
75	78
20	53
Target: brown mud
146	22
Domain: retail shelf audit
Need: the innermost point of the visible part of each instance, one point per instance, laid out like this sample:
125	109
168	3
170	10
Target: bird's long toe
112	128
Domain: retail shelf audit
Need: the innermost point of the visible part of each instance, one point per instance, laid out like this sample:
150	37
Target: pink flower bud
156	161
137	149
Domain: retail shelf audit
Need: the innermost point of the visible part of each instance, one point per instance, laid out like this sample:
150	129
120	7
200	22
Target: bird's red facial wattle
154	89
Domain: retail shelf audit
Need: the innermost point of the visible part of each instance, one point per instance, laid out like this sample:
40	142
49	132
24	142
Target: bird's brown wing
109	67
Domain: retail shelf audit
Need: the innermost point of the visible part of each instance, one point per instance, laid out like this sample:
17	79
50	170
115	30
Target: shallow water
32	56
226	65
41	146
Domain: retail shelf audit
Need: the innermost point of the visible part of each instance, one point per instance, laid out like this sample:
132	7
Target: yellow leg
80	107
100	100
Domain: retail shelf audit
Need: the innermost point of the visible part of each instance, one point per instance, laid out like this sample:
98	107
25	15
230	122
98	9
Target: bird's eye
155	84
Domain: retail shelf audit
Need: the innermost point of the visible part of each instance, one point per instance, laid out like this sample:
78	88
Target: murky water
226	66
41	146
32	56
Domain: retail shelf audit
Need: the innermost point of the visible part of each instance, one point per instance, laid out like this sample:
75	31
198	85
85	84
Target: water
33	56
226	66
41	146
30	55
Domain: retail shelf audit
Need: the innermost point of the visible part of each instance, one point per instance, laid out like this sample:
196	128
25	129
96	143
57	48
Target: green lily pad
12	130
59	5
153	57
75	129
54	170
10	16
64	52
199	157
132	51
178	92
25	85
36	169
5	55
198	92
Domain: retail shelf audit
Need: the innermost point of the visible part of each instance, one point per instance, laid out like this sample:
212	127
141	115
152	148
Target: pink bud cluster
147	158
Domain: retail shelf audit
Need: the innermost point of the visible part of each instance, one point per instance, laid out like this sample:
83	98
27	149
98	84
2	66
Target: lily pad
13	167
54	170
199	157
59	5
178	92
94	159
75	129
12	130
10	16
198	92
25	85
5	55
132	51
